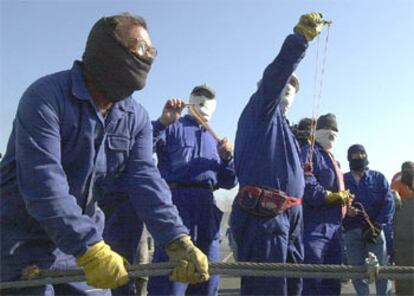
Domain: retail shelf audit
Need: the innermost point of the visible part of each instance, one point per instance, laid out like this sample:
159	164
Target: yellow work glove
310	25
103	267
193	268
340	197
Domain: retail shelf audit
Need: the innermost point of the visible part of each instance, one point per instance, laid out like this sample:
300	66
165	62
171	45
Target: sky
368	79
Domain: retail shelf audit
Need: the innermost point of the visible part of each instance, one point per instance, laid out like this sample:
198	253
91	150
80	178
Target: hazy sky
369	73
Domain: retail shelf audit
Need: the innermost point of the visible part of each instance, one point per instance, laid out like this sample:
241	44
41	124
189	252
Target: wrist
158	126
91	252
165	122
227	159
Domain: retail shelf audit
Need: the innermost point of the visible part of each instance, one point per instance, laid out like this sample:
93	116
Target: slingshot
202	122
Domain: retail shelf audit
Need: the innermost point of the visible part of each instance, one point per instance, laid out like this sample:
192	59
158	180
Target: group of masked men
78	179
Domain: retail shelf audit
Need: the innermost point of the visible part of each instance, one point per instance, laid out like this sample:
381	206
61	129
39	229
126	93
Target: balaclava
358	164
114	70
407	173
203	98
326	131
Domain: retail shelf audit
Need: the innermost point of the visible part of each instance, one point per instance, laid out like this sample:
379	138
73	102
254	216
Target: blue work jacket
374	193
62	157
187	154
315	208
266	151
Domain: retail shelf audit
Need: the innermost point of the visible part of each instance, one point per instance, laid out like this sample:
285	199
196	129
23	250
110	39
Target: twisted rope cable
55	277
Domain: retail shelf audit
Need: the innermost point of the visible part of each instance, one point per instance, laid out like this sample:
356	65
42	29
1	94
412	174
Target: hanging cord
202	122
317	94
361	210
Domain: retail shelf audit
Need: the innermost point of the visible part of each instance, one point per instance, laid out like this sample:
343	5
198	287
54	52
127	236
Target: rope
364	213
54	277
317	96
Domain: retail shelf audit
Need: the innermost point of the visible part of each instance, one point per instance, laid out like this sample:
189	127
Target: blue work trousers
44	257
123	232
323	245
357	249
276	239
202	217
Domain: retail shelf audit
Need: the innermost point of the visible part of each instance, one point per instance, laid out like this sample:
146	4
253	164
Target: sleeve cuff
157	125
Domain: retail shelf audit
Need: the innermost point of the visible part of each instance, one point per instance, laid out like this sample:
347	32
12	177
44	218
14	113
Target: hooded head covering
407	173
359	163
113	69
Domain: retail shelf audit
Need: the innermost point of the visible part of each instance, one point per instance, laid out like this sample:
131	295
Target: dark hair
204	90
305	124
407	165
302	131
125	17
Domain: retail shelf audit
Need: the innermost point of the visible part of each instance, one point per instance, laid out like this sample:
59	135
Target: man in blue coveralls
266	219
324	205
194	164
373	192
78	134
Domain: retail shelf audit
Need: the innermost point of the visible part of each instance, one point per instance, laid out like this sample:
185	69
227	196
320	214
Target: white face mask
287	97
326	138
203	105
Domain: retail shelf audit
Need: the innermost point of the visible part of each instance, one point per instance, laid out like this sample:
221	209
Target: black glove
371	234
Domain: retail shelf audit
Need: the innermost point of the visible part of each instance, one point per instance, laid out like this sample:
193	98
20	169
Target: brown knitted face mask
114	70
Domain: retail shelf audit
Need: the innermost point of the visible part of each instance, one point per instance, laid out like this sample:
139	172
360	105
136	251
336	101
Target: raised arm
170	114
278	73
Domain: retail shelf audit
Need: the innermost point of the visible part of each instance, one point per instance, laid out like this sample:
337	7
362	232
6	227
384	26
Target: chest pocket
182	149
376	194
118	148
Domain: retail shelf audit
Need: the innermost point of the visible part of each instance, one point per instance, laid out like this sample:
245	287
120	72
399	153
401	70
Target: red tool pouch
265	202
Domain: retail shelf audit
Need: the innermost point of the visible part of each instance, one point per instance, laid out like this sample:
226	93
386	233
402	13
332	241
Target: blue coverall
373	192
123	232
323	223
268	155
61	157
188	160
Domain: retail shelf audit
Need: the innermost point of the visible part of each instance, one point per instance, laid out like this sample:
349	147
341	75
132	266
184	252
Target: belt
264	201
175	185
